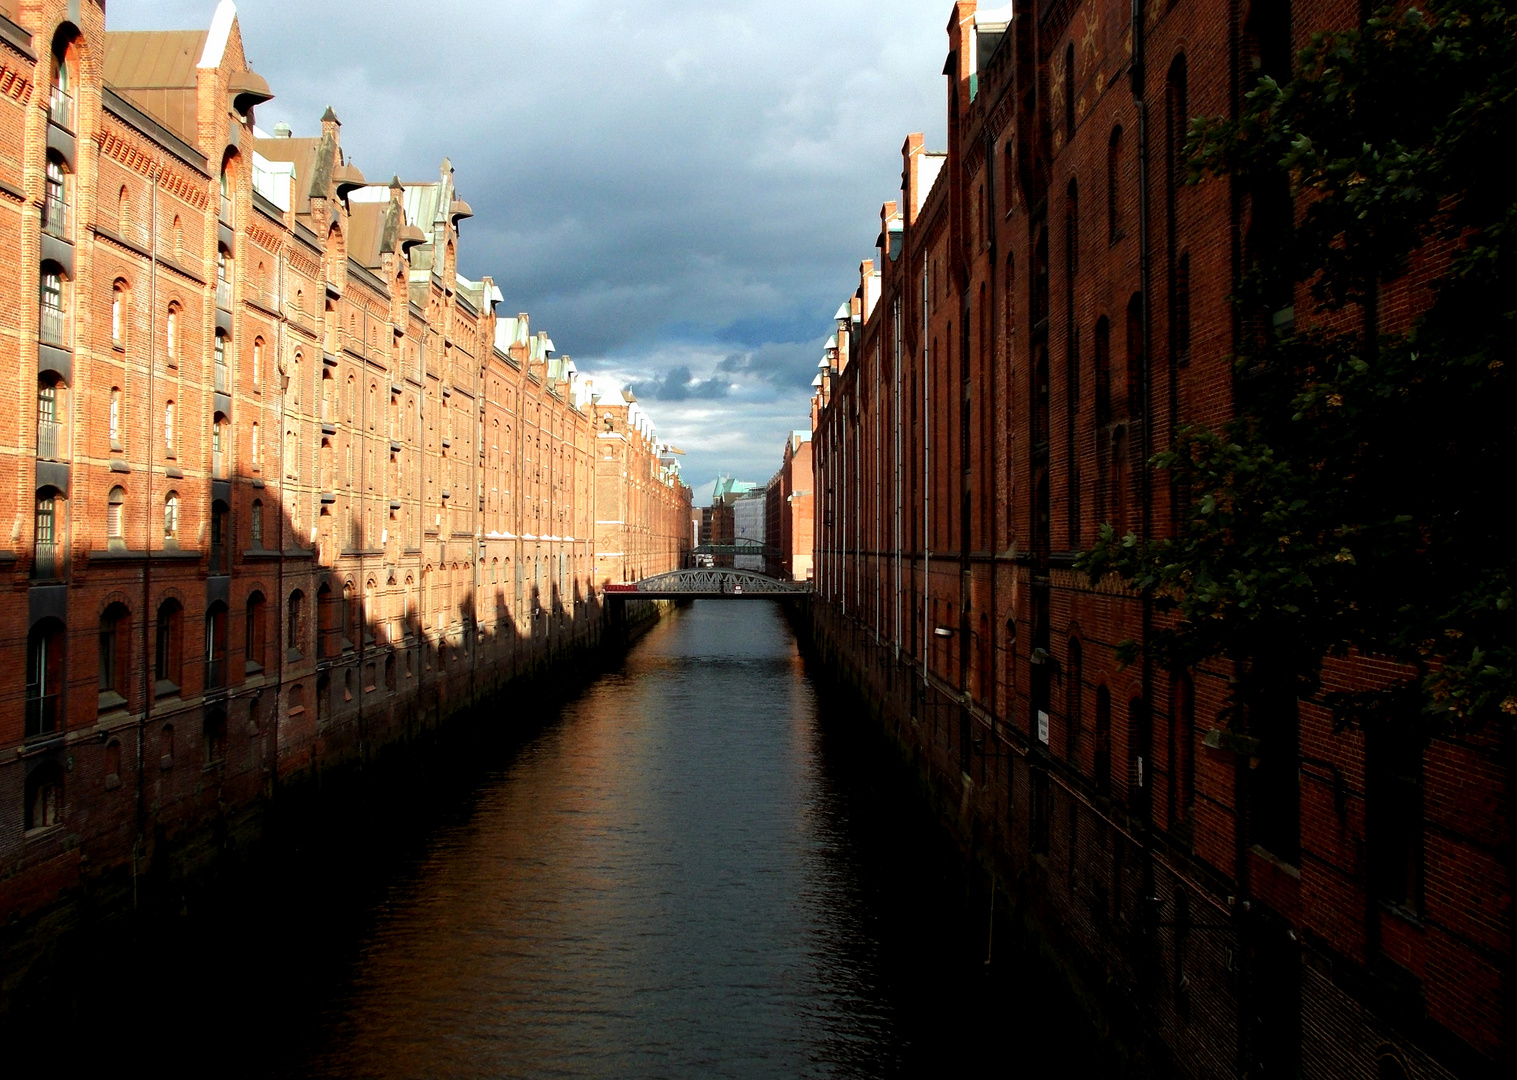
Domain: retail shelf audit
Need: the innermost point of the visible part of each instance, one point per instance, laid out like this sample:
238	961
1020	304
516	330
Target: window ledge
110	701
165	688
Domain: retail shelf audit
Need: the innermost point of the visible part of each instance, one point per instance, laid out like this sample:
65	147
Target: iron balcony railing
50	325
49	439
224	294
60	108
54	215
45	564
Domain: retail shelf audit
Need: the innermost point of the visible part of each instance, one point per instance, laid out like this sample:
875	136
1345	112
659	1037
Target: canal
695	866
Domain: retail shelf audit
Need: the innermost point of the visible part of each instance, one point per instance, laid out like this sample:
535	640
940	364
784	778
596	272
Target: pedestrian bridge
708	583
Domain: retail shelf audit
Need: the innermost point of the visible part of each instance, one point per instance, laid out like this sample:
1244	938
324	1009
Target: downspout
926	474
147	568
895	411
990	352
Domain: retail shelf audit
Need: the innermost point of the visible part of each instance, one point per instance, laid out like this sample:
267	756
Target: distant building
748	523
787	507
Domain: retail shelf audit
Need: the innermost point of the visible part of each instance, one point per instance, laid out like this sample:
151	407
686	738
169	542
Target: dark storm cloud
680	385
659	183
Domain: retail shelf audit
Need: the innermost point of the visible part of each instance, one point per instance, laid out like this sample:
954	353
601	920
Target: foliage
1360	497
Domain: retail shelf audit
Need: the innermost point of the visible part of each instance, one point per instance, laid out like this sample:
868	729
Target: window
171	515
213	736
54	198
1114	186
114	505
60	106
115	647
50	306
1073	699
168	428
220	523
118	304
124	212
1275	785
47	545
255	633
255	524
49	430
171	334
215	646
218	445
295	623
44	678
255	449
223	280
44	797
166	648
220	358
1069	91
257	363
115	418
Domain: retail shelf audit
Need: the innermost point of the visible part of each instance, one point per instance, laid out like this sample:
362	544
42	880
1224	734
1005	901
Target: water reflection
692	869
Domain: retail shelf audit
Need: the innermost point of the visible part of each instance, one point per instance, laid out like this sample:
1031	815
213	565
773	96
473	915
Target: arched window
118	313
167	652
1102	765
44	678
115	648
255	633
50	317
60	105
350	397
226	191
55	197
115	506
178	237
49	541
1069	91
168	428
114	419
257	363
326	621
1103	370
171	516
1073	699
255	449
220	526
50	442
215	646
223	380
124	223
1114	185
294	635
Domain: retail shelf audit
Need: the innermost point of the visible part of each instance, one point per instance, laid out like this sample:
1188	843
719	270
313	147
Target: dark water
692	869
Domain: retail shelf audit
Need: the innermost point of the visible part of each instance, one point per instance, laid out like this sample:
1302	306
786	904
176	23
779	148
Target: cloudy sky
678	191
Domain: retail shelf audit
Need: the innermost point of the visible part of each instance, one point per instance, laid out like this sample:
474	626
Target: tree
1359	499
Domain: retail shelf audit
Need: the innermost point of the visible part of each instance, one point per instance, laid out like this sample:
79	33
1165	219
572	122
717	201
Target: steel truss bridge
708	583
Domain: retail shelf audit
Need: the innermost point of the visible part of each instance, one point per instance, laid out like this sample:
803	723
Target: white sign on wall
1042	727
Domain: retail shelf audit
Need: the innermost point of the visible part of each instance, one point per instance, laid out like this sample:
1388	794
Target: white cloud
662	184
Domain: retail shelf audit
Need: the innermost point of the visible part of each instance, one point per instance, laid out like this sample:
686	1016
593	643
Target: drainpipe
926	476
147	569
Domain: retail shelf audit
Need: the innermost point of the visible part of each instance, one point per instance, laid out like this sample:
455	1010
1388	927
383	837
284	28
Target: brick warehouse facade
1045	303
284	487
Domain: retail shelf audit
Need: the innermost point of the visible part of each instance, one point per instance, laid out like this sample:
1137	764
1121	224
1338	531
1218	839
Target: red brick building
789	509
284	488
1045	303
